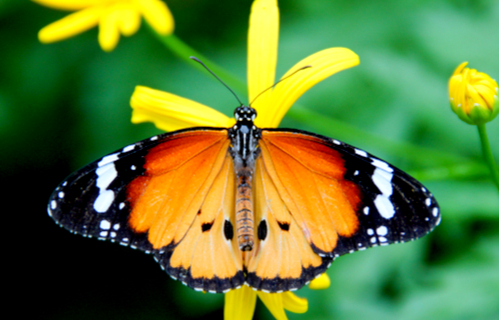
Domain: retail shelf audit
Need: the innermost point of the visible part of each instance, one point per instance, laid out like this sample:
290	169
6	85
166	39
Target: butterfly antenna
234	94
304	67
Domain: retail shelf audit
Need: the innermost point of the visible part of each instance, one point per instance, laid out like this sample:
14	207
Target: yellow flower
473	95
240	303
112	16
170	112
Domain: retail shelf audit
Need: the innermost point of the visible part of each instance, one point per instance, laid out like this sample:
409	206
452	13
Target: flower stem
488	156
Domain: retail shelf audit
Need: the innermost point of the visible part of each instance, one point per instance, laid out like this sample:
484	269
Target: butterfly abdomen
244	212
244	149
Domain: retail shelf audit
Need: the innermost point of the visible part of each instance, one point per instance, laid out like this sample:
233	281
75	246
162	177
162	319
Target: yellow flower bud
473	95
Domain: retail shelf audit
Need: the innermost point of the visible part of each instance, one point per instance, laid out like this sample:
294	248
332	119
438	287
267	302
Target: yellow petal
293	303
273	302
109	34
323	64
262	48
239	304
68	4
71	25
460	68
170	112
129	19
320	283
157	14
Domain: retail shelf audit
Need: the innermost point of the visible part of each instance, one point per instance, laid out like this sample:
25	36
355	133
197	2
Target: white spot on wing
382	165
382	179
428	202
105	225
60	194
384	206
105	175
129	148
361	152
104	201
53	204
382	230
108	159
435	211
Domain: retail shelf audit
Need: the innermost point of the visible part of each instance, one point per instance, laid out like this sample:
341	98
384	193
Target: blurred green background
63	105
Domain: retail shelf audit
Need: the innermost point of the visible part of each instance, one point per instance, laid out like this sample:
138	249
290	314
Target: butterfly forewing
344	198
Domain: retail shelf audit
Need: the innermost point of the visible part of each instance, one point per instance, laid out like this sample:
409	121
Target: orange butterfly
223	207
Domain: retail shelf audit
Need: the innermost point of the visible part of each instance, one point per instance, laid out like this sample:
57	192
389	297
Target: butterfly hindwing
282	258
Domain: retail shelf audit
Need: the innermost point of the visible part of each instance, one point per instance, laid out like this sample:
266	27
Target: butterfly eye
262	230
228	230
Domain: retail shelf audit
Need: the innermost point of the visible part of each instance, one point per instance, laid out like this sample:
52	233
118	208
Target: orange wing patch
206	248
179	174
308	176
283	251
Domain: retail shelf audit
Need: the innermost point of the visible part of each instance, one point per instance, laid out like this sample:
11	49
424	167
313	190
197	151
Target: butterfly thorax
244	150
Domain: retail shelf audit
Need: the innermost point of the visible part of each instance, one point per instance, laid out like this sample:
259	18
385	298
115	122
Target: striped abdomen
244	212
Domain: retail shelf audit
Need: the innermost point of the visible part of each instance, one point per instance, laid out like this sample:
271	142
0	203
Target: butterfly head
245	114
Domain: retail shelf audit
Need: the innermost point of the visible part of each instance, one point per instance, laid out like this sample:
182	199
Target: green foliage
65	104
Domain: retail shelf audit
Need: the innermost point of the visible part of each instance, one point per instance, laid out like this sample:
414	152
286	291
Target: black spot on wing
206	226
228	230
284	226
262	230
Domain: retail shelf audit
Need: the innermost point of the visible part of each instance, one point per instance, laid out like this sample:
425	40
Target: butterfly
224	207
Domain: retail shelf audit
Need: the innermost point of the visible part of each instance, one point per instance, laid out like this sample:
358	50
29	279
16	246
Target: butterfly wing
165	195
342	199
